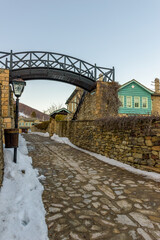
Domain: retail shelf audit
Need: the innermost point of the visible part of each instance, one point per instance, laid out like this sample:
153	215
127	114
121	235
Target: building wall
133	147
133	92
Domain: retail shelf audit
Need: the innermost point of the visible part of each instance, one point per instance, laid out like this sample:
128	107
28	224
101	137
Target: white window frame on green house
145	98
127	105
121	99
136	101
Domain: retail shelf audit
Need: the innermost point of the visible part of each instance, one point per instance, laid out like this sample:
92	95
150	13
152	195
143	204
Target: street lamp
18	87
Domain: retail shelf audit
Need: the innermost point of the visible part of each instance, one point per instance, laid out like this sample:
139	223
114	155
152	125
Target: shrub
127	122
60	117
43	125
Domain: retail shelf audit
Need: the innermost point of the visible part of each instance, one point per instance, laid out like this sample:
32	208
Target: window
121	98
137	102
72	107
144	102
129	102
19	124
26	124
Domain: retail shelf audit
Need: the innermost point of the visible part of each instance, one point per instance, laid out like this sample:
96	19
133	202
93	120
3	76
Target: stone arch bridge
34	65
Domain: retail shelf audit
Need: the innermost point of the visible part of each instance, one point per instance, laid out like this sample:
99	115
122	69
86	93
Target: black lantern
18	86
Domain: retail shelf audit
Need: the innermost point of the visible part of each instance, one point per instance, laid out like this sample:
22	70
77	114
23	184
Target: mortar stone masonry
1	145
135	148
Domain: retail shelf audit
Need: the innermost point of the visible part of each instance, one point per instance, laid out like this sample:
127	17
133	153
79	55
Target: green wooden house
135	98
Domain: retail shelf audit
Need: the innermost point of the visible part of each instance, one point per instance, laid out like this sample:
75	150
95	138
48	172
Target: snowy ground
22	214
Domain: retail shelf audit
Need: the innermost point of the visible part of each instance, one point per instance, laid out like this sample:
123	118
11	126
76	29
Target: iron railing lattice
49	60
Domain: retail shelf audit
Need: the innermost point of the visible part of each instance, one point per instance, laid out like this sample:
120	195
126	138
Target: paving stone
99	235
89	187
124	204
54	210
142	220
96	204
156	234
75	223
107	190
123	219
97	194
60	227
56	216
74	236
138	206
81	229
146	212
128	182
144	234
95	228
68	210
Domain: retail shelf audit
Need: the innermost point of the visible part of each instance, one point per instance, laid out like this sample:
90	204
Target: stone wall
131	147
94	106
1	143
6	99
6	112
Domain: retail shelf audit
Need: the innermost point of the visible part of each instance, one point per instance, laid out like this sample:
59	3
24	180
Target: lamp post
18	87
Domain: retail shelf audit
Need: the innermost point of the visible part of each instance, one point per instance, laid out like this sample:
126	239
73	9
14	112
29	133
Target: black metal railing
40	59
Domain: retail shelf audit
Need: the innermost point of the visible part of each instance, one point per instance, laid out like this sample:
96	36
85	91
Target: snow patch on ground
150	175
46	134
22	214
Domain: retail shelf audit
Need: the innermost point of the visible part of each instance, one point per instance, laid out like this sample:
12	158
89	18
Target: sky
120	33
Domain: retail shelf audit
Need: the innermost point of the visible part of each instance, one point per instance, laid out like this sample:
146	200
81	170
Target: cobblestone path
87	199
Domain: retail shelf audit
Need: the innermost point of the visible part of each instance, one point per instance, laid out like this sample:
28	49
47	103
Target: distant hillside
27	111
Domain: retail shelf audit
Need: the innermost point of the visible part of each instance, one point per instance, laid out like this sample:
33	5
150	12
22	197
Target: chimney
156	81
100	77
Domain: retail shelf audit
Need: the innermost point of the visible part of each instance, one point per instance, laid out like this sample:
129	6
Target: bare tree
53	108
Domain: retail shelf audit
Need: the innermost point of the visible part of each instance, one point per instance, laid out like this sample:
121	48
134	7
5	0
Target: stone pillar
157	89
1	143
101	106
5	99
